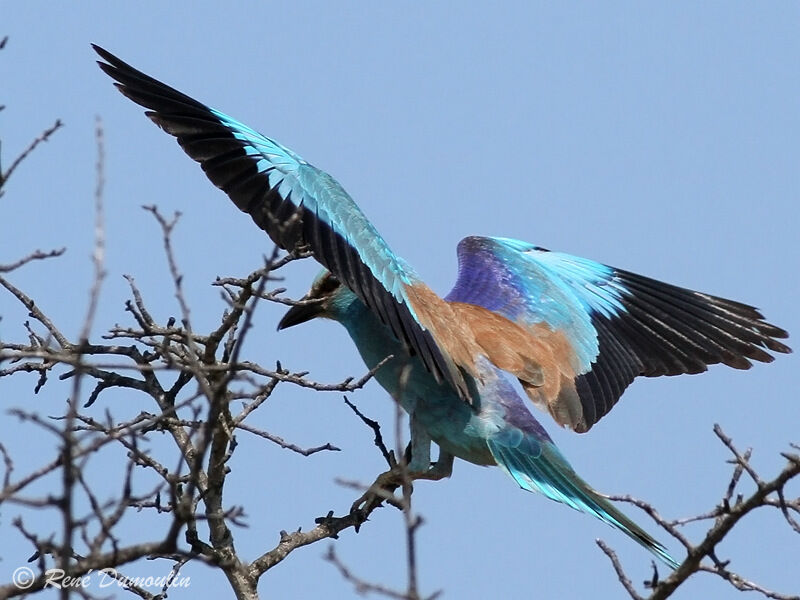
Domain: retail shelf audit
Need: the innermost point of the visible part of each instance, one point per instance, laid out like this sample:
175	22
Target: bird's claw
382	490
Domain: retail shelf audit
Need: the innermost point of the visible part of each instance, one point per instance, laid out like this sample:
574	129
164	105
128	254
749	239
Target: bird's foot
382	490
384	486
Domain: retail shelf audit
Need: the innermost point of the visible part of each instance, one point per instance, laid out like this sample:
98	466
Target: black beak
300	314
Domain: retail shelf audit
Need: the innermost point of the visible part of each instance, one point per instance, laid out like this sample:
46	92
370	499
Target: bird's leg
418	466
441	469
420	448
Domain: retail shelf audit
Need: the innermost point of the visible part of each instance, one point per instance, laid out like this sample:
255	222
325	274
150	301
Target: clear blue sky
662	140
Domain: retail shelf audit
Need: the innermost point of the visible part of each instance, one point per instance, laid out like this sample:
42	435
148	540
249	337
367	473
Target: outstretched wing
599	327
297	205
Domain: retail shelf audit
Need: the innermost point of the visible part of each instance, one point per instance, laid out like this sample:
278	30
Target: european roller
574	333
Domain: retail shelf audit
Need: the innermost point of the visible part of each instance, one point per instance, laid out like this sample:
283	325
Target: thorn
653	582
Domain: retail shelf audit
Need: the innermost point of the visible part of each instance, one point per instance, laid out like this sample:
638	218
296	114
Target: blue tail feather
549	473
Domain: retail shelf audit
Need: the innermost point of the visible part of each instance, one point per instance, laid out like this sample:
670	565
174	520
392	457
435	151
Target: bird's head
327	298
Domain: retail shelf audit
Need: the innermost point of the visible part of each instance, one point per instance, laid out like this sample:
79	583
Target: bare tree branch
726	515
200	425
364	587
35	255
43	137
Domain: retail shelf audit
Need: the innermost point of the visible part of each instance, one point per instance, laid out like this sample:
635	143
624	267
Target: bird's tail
538	466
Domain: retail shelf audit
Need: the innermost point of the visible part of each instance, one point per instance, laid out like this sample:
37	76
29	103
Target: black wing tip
112	62
104	54
743	331
121	72
108	69
770	334
776	346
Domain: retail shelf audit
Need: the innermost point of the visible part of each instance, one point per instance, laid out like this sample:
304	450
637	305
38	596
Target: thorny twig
382	490
725	517
155	351
156	361
364	587
43	137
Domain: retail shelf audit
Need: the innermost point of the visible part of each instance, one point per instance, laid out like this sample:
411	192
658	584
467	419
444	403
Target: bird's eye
328	285
333	282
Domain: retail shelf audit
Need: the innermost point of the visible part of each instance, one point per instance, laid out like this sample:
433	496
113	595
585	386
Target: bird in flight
574	333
